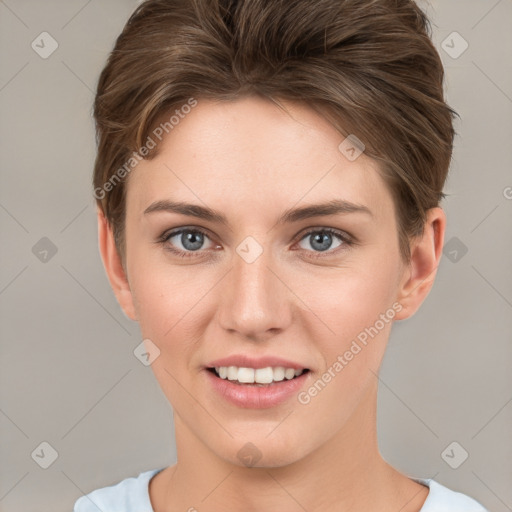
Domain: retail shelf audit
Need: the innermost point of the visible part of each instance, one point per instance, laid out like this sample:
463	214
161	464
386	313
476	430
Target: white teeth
264	375
232	373
259	376
279	373
289	373
246	375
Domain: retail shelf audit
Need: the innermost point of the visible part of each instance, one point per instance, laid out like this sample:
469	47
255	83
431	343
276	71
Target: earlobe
113	267
426	253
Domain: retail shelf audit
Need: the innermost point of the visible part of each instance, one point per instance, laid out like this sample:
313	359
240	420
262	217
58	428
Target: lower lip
256	397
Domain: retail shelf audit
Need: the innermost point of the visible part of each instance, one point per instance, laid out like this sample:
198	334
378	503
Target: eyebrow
334	207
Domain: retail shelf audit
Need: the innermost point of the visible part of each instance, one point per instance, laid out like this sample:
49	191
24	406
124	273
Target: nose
255	301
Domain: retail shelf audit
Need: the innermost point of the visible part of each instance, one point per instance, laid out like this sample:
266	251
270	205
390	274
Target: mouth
257	377
253	382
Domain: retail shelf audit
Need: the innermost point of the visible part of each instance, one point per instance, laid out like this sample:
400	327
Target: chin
263	452
275	460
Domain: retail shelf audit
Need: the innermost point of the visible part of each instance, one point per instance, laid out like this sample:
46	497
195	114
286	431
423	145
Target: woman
268	182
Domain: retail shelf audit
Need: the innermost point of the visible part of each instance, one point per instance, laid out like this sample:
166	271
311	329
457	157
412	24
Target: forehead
251	152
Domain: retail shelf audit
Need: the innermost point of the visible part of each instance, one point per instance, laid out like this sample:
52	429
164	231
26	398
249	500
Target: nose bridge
254	300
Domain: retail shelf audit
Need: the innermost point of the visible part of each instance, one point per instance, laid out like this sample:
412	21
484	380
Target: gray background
68	373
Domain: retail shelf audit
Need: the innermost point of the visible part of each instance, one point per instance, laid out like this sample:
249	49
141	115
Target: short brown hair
368	66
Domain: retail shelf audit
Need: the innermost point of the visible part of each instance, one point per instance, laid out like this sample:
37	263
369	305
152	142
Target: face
264	287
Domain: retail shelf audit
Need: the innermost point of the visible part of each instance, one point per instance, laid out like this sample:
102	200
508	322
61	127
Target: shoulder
442	499
129	495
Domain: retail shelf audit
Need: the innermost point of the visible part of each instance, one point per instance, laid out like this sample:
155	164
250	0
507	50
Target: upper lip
245	361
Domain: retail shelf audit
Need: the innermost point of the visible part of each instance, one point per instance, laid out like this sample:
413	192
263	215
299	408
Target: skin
251	161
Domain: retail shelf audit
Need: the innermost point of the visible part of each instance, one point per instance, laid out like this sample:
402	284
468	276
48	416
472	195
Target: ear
426	253
115	272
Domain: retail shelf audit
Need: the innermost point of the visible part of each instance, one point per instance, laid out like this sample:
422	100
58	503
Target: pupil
323	246
192	238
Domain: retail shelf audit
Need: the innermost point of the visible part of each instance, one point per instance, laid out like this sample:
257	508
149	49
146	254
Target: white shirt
132	495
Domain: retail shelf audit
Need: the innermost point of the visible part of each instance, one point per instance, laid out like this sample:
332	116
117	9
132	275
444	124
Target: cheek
168	303
168	300
358	310
353	308
347	301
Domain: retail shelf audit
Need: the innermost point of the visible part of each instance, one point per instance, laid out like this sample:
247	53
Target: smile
256	388
259	376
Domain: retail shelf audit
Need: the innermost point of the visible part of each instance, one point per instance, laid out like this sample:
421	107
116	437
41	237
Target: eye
322	240
187	241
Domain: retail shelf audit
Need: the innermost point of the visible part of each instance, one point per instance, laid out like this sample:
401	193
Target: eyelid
346	238
306	231
170	233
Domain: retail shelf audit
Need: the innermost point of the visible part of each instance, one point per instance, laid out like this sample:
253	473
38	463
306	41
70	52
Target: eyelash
346	240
